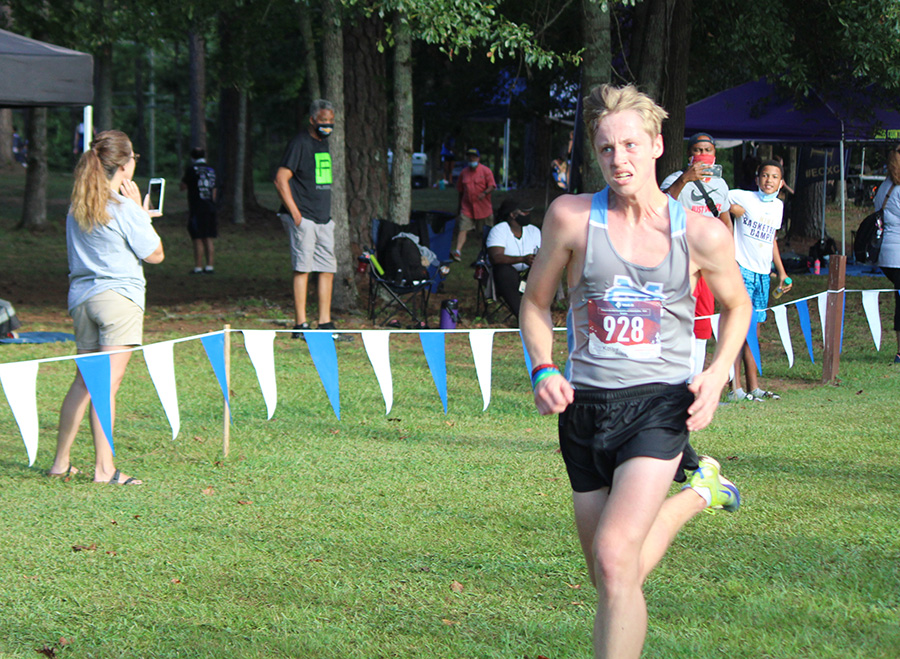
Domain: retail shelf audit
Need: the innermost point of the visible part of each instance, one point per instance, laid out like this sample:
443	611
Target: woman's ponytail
90	193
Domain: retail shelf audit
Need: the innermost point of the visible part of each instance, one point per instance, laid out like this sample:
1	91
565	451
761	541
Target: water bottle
817	267
780	291
449	314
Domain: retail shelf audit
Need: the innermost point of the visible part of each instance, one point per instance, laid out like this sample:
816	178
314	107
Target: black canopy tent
38	74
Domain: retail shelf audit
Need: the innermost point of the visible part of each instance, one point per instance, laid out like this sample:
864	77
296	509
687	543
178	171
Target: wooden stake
226	429
834	313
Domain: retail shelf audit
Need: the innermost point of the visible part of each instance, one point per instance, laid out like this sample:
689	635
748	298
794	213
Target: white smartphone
157	192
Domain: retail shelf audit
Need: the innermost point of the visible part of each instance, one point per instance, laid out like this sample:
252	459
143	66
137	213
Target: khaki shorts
108	319
312	245
466	223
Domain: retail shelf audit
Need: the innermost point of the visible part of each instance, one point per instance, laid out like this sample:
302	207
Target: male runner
632	255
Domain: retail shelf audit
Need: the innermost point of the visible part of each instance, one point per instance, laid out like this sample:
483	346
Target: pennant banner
96	374
214	344
482	341
873	317
324	356
260	347
435	354
19	382
822	302
805	327
753	341
376	345
781	322
160	360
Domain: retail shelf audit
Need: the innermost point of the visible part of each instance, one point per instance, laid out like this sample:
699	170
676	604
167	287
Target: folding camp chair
439	227
389	295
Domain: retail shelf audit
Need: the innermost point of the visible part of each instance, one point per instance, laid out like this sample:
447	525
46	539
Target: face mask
523	220
706	158
324	130
473	164
767	197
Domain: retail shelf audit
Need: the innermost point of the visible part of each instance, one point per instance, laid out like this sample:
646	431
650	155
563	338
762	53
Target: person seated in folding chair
511	246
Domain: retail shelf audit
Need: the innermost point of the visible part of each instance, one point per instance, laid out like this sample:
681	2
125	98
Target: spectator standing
708	196
757	218
888	197
475	185
108	234
200	182
303	181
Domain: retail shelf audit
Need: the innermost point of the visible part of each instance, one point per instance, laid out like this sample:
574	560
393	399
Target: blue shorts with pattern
757	286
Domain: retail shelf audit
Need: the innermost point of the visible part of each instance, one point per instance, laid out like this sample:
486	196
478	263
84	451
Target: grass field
418	534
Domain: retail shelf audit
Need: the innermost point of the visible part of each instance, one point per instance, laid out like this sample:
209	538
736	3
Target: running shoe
762	394
713	487
740	396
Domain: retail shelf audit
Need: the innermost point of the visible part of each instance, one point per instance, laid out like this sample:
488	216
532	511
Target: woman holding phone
108	233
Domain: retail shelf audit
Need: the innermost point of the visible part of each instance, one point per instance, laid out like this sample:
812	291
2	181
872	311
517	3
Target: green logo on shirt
323	169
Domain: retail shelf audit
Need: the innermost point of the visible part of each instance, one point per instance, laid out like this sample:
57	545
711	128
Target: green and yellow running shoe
716	490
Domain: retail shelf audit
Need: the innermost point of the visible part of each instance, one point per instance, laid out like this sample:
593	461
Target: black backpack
404	262
867	243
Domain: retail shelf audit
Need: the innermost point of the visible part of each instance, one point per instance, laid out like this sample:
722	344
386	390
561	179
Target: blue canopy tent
760	111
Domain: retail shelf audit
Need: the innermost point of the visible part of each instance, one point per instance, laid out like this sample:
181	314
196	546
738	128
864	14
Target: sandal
67	476
130	481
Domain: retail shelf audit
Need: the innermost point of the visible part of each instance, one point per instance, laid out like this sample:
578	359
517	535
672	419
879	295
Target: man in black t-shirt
200	181
303	181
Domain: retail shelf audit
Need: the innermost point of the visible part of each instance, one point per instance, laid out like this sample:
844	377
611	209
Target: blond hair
110	150
605	100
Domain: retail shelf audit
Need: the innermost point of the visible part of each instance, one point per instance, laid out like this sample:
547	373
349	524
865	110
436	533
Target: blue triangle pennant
214	344
436	356
753	342
95	372
803	312
324	356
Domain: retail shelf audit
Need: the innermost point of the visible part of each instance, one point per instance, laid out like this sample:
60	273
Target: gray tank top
628	324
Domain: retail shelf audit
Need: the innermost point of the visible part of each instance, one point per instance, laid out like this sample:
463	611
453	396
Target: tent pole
506	154
824	189
88	135
843	200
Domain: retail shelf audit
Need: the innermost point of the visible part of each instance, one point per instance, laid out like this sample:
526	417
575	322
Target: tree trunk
197	88
240	160
806	211
674	94
6	136
401	169
34	207
366	103
103	84
308	54
649	45
139	136
344	297
596	67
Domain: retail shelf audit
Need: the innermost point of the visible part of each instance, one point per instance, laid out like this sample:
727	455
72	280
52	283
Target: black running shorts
603	428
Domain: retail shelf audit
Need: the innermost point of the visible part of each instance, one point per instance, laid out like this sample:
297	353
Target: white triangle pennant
822	302
19	381
714	321
160	360
482	341
260	346
870	306
376	344
781	322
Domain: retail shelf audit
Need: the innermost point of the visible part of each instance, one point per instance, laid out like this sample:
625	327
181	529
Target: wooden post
226	429
834	313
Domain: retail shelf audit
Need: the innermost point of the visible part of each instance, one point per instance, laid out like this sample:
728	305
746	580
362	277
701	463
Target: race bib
625	323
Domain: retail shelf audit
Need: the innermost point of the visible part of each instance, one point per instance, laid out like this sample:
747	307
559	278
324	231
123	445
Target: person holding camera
109	236
697	188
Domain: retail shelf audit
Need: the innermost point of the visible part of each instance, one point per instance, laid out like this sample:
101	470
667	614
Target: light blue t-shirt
110	257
